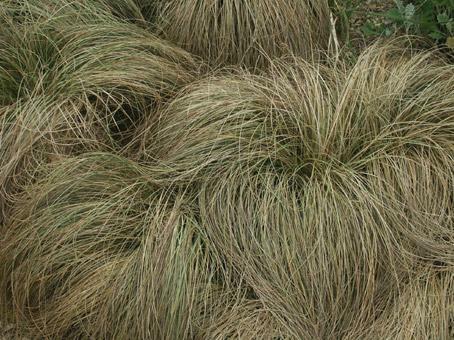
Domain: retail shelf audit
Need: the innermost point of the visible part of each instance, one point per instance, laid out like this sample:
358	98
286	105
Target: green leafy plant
432	19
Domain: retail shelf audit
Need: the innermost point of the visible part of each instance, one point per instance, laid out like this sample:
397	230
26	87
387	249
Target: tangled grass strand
125	244
246	32
325	190
76	79
423	310
283	199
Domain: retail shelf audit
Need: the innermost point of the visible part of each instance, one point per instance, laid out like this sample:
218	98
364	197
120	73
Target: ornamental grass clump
326	190
422	310
278	199
304	202
246	32
142	12
73	78
99	249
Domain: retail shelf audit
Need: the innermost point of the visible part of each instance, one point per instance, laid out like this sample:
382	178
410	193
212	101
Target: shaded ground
365	11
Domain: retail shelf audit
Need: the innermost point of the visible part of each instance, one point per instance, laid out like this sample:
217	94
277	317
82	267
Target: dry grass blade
301	201
246	32
423	310
325	190
97	249
76	78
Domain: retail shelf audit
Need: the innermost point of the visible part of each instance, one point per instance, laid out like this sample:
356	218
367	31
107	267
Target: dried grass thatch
423	309
110	253
246	32
72	79
308	202
325	189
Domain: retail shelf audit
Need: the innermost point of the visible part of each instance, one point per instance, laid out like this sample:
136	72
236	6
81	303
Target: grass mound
110	254
101	247
304	201
326	189
246	32
423	310
73	78
144	10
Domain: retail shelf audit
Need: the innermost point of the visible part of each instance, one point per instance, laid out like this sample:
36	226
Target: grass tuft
293	200
246	32
73	78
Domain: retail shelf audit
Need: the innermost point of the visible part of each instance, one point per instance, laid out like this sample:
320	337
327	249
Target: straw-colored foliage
304	202
73	78
326	189
246	32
